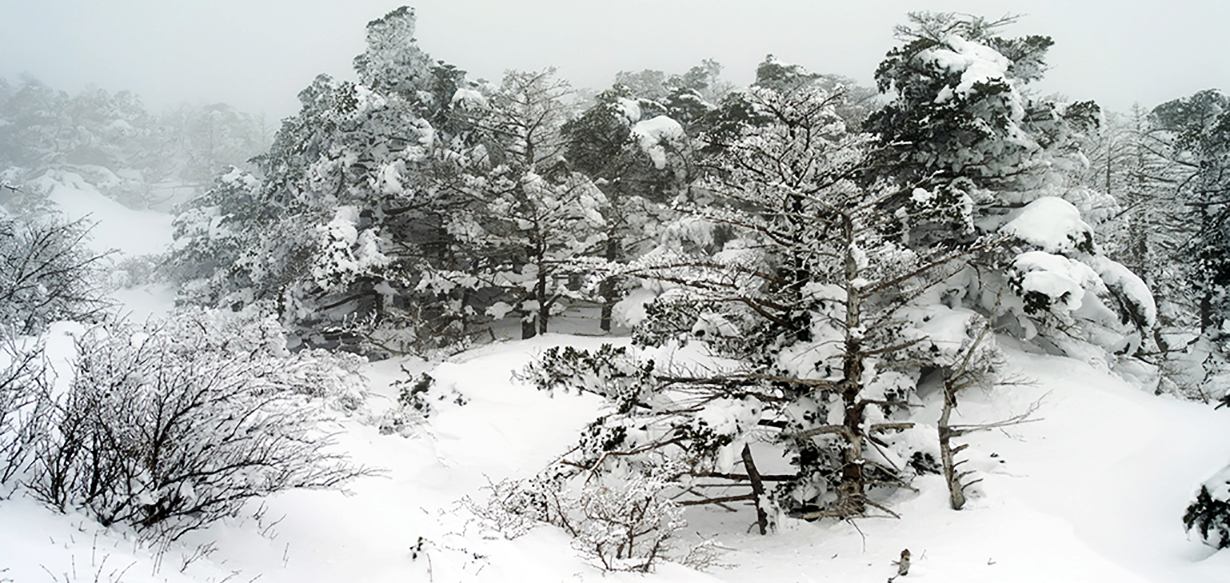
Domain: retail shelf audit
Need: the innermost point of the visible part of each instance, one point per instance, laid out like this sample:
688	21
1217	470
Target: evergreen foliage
611	142
348	211
532	220
1209	518
807	302
1199	128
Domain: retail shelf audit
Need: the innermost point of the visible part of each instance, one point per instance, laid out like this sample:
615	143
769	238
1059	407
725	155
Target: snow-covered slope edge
1091	491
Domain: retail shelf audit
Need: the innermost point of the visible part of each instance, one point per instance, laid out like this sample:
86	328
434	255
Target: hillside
1091	491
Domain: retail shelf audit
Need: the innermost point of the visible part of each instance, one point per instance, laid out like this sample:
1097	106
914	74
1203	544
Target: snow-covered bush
176	424
1208	516
46	274
619	524
418	397
22	406
514	507
610	372
135	270
424	395
625	526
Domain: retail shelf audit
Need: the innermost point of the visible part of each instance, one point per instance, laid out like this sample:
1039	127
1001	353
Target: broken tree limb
762	517
880	427
822	430
739	498
744	477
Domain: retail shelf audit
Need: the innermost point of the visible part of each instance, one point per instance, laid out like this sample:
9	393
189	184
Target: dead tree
972	370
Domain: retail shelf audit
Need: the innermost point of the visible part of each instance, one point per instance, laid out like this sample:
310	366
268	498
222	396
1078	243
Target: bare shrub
174	425
47	274
627	524
23	405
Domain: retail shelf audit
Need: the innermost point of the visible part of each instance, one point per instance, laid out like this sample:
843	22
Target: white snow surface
1092	491
468	98
976	62
629	108
1057	277
1118	276
630	311
116	227
1051	223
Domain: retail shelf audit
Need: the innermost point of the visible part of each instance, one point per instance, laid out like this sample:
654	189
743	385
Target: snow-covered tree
533	220
108	139
205	140
984	157
785	273
641	159
1200	129
112	142
346	215
392	62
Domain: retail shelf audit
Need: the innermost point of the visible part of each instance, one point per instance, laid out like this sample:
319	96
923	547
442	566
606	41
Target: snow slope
116	227
119	230
1092	491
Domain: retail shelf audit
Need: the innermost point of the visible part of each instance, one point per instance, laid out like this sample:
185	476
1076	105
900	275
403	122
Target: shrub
1208	516
23	405
47	274
626	524
174	425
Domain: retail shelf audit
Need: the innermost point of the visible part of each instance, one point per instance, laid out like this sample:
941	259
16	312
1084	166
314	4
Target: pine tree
349	187
981	152
1200	126
533	218
611	142
783	269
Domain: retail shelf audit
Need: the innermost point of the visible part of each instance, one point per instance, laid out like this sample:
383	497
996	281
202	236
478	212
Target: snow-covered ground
1093	490
116	227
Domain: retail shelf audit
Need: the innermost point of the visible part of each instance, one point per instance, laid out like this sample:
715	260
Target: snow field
1093	490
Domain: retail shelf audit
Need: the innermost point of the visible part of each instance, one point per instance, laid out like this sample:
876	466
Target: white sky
258	54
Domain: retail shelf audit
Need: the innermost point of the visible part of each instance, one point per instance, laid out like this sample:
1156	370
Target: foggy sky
258	54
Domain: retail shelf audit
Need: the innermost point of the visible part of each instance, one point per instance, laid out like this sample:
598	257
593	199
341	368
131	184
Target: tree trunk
529	328
607	289
853	482
544	304
956	492
762	517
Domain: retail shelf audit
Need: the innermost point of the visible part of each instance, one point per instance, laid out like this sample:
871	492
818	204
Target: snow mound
1134	289
976	62
1062	280
1053	225
654	134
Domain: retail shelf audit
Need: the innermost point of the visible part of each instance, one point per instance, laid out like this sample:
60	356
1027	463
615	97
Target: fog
258	54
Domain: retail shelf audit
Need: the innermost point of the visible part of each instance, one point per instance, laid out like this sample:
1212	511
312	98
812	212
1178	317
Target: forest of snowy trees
835	253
